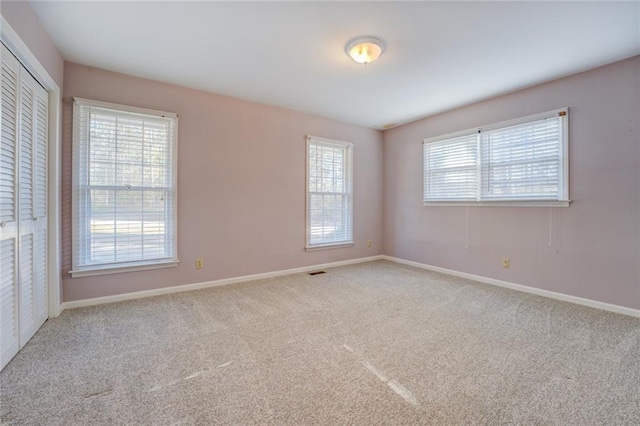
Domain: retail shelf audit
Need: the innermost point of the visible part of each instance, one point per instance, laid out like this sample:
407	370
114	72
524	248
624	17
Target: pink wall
25	22
241	184
590	249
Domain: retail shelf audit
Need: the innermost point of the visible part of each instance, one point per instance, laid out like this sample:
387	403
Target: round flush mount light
364	50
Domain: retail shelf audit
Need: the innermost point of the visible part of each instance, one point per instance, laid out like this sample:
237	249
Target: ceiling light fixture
364	50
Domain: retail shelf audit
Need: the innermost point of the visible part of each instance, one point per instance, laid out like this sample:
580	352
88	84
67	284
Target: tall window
329	193
523	161
124	188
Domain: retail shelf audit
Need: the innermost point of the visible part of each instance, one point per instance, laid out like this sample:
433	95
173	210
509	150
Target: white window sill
510	203
330	246
109	269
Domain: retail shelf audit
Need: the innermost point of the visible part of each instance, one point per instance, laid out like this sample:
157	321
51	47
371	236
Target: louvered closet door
23	207
40	161
32	206
9	312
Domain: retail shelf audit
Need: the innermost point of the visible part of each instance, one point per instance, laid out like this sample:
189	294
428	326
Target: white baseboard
539	292
197	286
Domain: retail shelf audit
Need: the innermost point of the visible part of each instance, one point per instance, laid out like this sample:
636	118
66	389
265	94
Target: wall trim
15	44
523	288
226	281
207	284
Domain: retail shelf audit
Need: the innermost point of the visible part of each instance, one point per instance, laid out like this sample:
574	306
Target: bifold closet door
32	207
9	312
23	207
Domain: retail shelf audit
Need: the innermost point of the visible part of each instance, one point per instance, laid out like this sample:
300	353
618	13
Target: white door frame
11	39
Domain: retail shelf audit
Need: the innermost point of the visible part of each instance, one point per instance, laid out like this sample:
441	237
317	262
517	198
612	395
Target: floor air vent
317	273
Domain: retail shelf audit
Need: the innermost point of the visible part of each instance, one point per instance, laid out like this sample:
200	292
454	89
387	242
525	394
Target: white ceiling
439	55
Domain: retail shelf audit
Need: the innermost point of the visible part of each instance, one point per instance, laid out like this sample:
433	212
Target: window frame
348	147
563	170
141	265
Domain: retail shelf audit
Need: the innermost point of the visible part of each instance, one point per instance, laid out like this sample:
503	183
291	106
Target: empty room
319	213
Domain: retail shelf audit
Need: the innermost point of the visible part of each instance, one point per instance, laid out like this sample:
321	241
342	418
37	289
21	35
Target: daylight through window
523	161
124	187
329	193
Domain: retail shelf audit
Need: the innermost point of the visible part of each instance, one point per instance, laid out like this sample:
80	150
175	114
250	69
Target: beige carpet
374	343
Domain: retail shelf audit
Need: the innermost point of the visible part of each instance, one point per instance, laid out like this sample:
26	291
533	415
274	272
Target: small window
523	161
329	193
124	188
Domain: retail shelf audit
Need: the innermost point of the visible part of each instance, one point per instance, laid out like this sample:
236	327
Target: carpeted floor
374	343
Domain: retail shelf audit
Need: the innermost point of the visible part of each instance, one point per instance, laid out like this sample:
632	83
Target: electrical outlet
199	263
506	263
369	243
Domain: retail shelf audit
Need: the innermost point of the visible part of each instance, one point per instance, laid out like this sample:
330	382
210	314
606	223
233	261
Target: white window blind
522	160
329	193
124	187
451	169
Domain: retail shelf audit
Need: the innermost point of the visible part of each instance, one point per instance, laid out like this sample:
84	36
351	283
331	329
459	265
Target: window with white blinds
519	161
451	169
329	193
124	188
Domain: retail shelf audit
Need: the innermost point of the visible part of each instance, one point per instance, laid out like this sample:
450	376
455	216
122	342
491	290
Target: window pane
451	169
329	218
123	174
522	161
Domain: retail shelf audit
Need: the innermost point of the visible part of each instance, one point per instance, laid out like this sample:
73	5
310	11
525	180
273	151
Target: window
519	162
329	193
124	188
